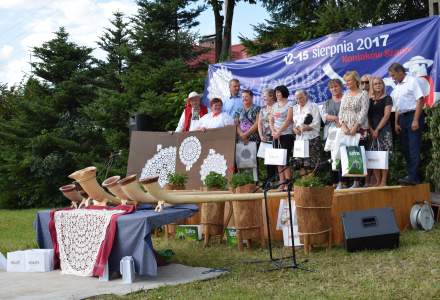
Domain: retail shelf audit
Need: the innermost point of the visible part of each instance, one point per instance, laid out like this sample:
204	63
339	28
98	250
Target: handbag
377	159
301	148
275	156
246	155
262	149
353	161
343	139
331	138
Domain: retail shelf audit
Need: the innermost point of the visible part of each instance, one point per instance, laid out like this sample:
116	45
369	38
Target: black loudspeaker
370	229
139	122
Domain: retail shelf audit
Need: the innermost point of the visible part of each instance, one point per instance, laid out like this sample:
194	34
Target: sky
26	24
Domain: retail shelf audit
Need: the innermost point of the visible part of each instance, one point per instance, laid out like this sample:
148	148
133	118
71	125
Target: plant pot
212	218
313	209
173	187
247	217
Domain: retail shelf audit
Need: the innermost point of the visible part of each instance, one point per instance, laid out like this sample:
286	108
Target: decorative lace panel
161	164
189	151
214	162
80	233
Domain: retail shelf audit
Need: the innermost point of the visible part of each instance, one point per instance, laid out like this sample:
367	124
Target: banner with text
311	64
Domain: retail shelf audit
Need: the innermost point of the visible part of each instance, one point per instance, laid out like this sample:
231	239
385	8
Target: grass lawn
410	272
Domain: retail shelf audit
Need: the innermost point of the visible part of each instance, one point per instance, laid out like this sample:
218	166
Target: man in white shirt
194	110
234	102
409	121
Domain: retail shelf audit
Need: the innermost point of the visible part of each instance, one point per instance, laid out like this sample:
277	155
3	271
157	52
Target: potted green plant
215	182
313	200
176	181
212	214
243	182
247	214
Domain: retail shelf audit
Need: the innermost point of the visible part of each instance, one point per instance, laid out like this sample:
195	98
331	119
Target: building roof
238	52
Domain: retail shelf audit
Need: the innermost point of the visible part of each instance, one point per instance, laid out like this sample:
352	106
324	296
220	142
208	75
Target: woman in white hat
194	110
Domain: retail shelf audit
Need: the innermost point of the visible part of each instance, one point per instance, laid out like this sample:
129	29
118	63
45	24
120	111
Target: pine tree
161	30
115	43
47	135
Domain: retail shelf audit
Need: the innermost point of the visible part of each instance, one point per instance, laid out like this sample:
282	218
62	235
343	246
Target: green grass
409	272
16	230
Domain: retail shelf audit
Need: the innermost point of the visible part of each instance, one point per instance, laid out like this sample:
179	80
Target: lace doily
162	164
80	233
219	83
214	162
189	151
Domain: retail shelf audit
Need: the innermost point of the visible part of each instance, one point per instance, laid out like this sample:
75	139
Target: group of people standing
364	108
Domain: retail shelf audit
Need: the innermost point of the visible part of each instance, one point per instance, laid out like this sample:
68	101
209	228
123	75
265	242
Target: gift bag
262	149
275	156
283	223
377	159
342	139
353	161
331	138
246	155
301	149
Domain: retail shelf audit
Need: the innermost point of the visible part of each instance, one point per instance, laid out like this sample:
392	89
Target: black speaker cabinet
370	229
139	122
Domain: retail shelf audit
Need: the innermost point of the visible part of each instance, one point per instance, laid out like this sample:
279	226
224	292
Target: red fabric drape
188	115
107	244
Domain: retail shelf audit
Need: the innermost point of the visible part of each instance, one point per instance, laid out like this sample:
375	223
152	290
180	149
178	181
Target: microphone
277	185
325	162
322	164
116	153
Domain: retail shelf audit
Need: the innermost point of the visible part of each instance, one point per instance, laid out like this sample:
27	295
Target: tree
161	43
46	135
115	42
223	26
161	30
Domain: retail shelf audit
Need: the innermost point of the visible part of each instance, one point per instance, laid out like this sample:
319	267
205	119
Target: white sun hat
193	95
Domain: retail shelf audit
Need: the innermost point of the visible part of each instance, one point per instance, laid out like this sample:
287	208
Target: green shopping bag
353	161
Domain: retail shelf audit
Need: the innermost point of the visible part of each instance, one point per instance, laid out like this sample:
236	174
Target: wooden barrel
212	215
313	210
247	217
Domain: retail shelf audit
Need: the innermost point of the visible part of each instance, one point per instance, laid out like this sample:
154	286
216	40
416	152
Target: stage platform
400	198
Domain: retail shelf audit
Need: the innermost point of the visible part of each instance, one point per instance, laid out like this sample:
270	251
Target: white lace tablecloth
80	233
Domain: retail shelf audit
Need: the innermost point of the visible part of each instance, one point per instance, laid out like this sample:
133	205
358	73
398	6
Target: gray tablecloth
133	235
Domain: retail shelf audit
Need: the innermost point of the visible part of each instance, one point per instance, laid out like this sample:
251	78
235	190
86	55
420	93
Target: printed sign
311	64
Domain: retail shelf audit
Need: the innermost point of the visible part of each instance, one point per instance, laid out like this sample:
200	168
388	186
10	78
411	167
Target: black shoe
406	181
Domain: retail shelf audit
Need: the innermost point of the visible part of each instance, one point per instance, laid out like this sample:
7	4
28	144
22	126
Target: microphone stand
109	162
293	264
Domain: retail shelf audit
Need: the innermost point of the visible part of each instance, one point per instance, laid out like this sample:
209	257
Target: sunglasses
365	82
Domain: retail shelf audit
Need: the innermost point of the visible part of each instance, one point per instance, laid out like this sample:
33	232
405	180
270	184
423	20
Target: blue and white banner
310	65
